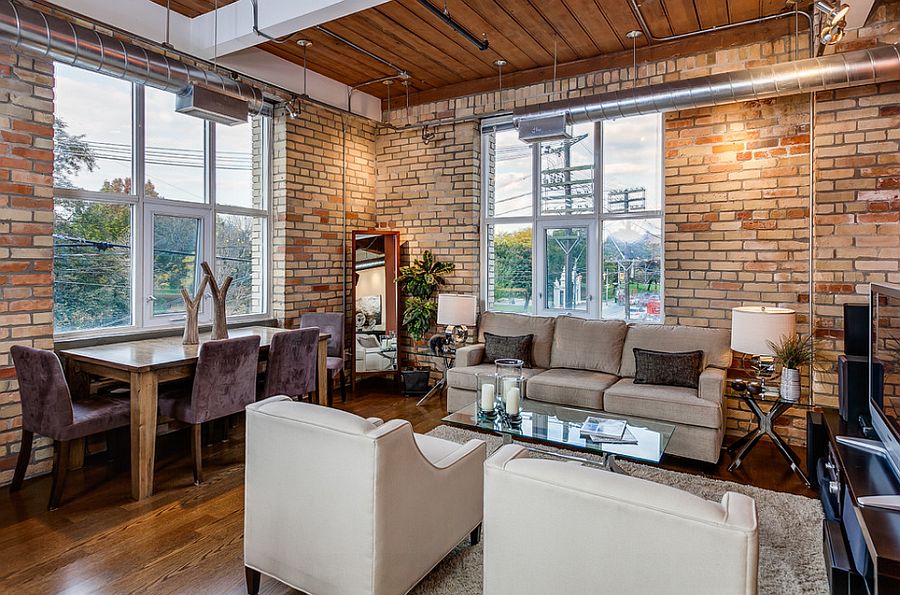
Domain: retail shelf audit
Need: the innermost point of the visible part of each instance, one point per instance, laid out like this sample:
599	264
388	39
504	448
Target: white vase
790	384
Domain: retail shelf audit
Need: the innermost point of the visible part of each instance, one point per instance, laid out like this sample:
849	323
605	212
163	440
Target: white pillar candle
487	397
512	401
505	386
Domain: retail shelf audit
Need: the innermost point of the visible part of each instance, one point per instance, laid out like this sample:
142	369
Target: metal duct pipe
836	71
79	46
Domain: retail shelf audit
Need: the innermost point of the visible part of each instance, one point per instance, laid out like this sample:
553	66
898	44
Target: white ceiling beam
859	12
148	20
277	18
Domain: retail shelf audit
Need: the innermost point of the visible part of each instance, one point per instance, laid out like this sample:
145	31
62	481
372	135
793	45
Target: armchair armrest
505	454
470	355
712	385
472	448
375	421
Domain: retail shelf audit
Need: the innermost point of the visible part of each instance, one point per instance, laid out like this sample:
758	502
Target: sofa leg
475	535
253	577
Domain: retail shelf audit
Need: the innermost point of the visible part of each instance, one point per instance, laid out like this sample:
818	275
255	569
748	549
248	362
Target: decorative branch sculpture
220	326
192	313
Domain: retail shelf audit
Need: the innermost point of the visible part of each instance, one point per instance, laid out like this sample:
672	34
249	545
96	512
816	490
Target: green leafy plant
419	281
793	352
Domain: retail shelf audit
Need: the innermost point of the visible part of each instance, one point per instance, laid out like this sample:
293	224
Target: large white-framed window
575	226
142	196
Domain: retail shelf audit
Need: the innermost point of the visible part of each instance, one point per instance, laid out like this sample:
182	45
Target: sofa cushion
674	404
582	344
715	343
512	325
465	377
681	368
577	388
500	347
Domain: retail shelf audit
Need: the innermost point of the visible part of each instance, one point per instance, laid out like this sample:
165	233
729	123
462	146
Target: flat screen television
884	368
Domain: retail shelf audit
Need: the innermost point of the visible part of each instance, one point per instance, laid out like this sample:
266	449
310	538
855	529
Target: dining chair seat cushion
96	415
335	363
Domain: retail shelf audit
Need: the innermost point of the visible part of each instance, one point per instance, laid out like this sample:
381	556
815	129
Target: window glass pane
240	178
174	164
509	176
632	162
91	265
567	173
92	131
567	269
631	270
239	253
509	267
176	244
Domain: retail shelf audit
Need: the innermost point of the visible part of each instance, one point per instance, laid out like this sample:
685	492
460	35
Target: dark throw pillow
500	347
667	368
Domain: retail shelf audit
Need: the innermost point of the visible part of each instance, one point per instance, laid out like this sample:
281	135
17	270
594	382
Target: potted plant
418	282
792	352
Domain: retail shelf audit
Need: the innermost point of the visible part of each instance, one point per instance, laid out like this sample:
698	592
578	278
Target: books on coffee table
607	430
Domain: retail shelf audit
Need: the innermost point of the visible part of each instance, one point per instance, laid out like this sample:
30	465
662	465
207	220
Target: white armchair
559	527
335	504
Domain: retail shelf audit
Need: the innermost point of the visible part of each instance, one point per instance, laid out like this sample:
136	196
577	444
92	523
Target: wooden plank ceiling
584	34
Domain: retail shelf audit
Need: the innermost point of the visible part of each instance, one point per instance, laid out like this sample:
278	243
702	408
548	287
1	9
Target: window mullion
138	247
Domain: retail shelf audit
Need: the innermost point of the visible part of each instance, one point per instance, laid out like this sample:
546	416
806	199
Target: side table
765	426
448	357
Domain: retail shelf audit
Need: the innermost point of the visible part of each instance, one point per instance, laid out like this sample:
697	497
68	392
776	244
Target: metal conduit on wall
836	71
85	48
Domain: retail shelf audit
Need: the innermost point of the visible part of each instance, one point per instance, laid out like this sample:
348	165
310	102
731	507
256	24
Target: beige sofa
610	533
590	364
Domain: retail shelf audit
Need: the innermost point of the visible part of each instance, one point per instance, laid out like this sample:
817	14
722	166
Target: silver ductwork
85	48
835	71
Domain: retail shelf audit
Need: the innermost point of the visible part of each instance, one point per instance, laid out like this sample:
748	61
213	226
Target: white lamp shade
454	309
752	327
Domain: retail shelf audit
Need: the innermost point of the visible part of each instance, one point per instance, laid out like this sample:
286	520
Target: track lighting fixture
427	135
836	20
444	15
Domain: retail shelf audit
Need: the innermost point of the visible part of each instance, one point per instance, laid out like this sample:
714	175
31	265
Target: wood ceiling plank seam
510	50
596	27
459	57
682	15
656	18
620	21
524	36
414	69
537	27
567	26
712	13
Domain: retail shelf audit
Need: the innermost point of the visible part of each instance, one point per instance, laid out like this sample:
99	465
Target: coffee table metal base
607	460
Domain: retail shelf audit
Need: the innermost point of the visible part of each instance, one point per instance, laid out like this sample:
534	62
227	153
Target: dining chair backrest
225	379
46	401
327	322
291	368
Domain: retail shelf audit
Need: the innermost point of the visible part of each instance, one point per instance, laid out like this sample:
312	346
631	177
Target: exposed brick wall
309	236
26	240
431	194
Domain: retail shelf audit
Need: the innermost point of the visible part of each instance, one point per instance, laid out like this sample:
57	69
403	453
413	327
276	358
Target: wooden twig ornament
220	326
192	313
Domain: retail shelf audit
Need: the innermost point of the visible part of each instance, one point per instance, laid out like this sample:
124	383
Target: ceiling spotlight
500	63
634	34
833	30
304	43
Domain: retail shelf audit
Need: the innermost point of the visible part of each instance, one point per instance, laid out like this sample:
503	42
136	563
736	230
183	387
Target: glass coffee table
546	424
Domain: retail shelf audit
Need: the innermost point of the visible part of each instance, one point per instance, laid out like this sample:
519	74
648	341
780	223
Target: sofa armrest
712	385
470	355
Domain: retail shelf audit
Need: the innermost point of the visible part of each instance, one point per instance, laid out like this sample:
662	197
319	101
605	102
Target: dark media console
861	544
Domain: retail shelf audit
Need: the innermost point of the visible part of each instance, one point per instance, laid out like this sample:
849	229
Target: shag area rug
790	527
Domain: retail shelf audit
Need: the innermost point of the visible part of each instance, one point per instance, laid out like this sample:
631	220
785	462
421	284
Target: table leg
789	456
144	386
322	372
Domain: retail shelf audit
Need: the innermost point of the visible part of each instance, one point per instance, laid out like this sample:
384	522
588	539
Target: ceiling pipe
360	49
835	71
69	43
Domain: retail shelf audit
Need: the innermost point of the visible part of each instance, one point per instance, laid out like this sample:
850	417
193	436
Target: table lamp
457	312
752	327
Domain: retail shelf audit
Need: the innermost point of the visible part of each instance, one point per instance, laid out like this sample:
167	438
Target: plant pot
790	384
415	381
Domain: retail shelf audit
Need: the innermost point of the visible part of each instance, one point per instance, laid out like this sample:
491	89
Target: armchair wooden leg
475	535
197	453
343	386
61	450
253	577
22	461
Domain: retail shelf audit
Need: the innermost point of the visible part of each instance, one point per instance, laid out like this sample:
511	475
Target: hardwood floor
188	539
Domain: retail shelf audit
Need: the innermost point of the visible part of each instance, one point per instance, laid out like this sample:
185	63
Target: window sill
92	337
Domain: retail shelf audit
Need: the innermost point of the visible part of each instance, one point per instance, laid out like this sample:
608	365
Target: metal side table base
765	427
435	390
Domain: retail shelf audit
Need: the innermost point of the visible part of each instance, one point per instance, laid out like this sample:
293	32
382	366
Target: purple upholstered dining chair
48	410
291	367
224	383
333	324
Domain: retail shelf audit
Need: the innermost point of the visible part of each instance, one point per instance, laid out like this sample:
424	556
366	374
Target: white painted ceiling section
148	19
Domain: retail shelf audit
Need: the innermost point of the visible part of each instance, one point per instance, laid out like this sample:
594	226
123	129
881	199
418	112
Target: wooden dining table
144	364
